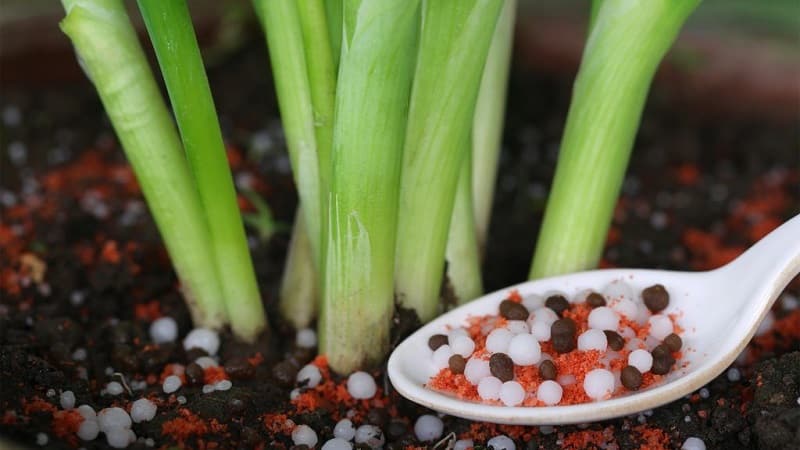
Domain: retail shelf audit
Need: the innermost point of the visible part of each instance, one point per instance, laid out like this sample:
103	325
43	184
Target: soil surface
83	274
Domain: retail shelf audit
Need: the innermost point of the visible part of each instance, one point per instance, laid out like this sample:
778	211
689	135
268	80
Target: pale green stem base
298	294
463	260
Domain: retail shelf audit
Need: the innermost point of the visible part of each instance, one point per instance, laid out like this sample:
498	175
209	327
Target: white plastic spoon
721	310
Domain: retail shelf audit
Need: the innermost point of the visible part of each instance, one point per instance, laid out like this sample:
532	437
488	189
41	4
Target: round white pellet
581	296
641	359
88	430
512	393
617	290
361	385
114	388
87	412
208	388
428	427
67	400
660	326
171	384
524	350
545	315
114	417
223	385
462	345
441	356
309	374
517	326
541	330
501	442
693	443
603	318
293	394
164	329
592	339
344	429
476	369
734	375
598	384
463	444
143	410
337	444
205	362
489	388
626	307
202	338
497	341
549	392
532	302
306	338
304	435
119	437
370	435
42	439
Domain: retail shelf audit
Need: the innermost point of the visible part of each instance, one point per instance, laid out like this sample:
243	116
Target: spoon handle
770	264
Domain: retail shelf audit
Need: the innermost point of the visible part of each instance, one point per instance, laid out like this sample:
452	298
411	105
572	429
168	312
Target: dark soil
698	192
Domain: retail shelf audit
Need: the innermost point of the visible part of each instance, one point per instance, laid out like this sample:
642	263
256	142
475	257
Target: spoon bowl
719	311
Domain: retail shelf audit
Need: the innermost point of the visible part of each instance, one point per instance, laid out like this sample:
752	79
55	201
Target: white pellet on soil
370	435
114	388
223	385
208	388
205	362
734	375
599	384
524	350
87	412
693	443
306	338
428	427
361	385
549	392
489	388
705	393
540	330
660	326
119	437
149	442
344	429
163	330
476	369
113	417
67	400
545	315
497	341
462	345
512	393
309	375
441	356
603	318
181	399
171	384
50	393
627	308
501	442
88	430
517	326
293	394
143	410
202	338
79	354
463	444
592	339
641	359
337	444
532	302
42	439
304	435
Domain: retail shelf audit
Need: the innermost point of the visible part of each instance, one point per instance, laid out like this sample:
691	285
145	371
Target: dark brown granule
194	374
557	303
513	310
615	341
547	370
457	364
299	447
662	360
563	344
436	341
396	429
285	373
631	377
502	367
563	328
239	368
595	300
656	298
378	416
673	342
